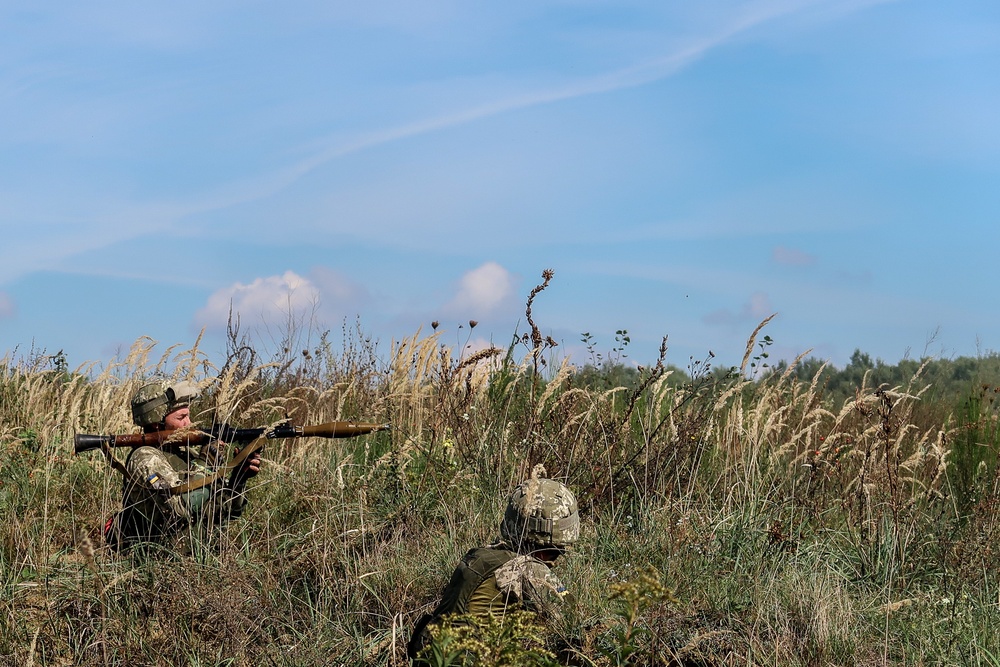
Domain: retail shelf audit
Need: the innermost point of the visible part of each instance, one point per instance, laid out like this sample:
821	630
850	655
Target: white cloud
288	299
271	301
482	292
7	308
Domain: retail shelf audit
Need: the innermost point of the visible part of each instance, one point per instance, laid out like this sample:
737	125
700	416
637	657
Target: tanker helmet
155	400
541	513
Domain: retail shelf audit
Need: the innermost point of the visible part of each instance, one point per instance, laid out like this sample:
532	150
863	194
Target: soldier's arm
534	584
543	592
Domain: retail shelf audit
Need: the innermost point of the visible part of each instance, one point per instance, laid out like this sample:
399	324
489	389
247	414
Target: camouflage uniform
151	513
541	515
495	579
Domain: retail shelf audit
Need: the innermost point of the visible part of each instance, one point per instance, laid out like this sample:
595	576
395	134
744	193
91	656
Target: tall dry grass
786	532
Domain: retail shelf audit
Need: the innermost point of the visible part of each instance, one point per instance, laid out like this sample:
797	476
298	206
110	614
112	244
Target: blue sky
686	169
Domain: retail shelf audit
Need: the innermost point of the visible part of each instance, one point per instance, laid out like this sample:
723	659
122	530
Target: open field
728	518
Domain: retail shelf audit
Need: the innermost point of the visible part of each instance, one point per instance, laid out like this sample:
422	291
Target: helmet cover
541	513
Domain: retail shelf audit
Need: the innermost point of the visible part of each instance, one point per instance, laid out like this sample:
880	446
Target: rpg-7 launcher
193	437
250	440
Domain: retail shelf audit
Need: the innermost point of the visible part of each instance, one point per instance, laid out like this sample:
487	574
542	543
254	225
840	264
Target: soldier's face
179	418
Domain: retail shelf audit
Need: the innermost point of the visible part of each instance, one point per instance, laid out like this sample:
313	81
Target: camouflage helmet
541	513
155	400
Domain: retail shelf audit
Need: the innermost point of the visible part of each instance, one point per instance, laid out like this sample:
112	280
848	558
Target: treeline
949	381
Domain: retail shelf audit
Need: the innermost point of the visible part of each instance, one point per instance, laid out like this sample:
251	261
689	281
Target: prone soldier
540	524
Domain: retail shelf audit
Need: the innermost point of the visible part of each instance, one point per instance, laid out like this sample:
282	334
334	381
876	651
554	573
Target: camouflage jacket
492	579
150	512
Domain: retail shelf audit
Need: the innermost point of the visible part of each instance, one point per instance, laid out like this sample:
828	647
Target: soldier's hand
246	470
252	463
